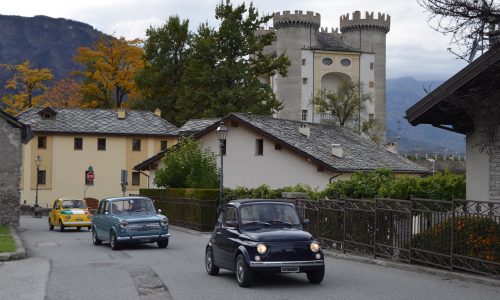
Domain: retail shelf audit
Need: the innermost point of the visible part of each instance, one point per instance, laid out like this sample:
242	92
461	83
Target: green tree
165	52
188	165
225	64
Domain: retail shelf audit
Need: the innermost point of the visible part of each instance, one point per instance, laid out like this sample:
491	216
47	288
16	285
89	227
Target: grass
7	243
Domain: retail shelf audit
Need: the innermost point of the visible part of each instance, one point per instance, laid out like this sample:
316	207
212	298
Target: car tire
316	276
90	228
51	227
162	244
61	226
210	266
113	241
244	275
96	241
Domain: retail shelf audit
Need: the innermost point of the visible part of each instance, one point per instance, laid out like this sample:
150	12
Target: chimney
121	114
392	147
337	150
305	130
157	112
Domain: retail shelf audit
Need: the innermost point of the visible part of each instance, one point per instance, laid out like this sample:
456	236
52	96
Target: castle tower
369	35
294	32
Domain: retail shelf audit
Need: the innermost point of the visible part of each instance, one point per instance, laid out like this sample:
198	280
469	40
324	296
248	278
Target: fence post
411	229
452	250
343	227
375	230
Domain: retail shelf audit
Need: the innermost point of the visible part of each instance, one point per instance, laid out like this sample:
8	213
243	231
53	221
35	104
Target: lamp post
221	136
38	163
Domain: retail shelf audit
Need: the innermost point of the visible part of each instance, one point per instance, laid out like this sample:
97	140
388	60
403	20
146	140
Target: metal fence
457	234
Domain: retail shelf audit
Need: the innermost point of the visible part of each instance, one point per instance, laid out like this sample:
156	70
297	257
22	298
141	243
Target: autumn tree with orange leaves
26	82
64	93
110	68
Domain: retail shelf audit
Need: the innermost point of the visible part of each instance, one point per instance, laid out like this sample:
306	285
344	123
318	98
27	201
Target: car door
55	213
228	240
98	220
217	238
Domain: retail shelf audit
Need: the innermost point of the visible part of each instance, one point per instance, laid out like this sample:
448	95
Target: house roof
330	42
195	125
144	165
97	121
360	154
433	108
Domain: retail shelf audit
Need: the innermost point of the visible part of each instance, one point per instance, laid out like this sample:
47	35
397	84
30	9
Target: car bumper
143	238
286	264
77	224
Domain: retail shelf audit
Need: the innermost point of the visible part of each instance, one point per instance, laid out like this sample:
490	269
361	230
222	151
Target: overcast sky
413	48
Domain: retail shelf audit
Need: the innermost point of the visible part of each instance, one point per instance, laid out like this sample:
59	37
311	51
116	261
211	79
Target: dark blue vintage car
129	220
262	236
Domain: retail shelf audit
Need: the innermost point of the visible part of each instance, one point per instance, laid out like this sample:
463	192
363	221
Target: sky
414	49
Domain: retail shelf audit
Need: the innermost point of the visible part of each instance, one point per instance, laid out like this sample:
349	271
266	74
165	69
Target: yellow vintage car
69	212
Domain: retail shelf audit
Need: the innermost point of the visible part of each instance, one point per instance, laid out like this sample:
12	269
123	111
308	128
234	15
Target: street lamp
221	136
38	163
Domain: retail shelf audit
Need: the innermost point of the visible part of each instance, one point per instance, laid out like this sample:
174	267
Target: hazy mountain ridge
402	93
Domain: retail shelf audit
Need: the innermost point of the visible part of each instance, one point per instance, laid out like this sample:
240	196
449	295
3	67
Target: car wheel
163	243
212	269
78	228
113	241
90	228
51	227
316	276
61	226
95	240
244	275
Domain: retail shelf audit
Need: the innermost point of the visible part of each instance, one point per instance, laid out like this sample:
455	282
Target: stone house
12	135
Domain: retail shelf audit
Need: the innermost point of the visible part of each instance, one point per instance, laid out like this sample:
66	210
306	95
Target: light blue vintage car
129	220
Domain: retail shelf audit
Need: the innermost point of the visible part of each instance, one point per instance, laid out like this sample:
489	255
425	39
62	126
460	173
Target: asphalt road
80	270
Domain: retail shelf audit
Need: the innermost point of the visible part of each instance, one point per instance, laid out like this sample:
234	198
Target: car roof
239	202
69	198
125	198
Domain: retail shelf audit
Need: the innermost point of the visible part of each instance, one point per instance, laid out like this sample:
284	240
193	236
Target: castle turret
294	32
369	35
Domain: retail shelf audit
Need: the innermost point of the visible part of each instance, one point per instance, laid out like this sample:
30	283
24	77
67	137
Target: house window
304	80
41	177
303	61
234	123
136	145
42	142
101	144
277	147
259	147
304	115
46	116
320	169
371	84
371	66
224	147
163	145
78	143
136	178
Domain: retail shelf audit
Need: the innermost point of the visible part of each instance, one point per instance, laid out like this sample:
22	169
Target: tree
188	165
25	82
64	93
224	66
165	52
110	68
468	22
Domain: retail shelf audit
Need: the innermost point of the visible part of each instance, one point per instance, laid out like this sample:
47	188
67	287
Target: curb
416	268
189	230
20	251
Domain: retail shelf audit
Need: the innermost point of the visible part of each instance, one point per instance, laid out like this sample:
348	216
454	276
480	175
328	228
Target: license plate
145	240
289	269
79	220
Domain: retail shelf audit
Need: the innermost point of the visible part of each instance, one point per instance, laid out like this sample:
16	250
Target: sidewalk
24	279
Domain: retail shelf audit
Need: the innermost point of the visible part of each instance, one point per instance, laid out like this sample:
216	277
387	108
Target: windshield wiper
281	221
257	222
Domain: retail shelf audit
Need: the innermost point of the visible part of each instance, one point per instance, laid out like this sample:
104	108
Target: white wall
276	168
477	170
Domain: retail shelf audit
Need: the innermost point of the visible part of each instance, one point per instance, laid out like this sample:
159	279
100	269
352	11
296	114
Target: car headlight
314	247
123	224
261	248
164	222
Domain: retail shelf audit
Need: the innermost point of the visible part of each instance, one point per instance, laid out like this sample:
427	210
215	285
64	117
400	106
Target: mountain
46	42
402	93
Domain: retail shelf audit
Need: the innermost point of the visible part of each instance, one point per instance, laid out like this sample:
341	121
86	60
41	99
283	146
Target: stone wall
10	173
495	169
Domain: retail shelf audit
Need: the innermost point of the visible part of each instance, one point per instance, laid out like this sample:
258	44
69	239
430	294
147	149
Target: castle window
371	66
304	115
304	80
327	61
303	61
371	84
345	62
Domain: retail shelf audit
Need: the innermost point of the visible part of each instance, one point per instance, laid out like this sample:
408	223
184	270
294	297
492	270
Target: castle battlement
297	19
329	30
381	23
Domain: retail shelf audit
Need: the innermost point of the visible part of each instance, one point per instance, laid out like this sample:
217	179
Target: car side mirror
159	211
306	221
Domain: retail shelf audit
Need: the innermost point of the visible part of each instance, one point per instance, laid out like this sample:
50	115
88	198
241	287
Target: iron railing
457	234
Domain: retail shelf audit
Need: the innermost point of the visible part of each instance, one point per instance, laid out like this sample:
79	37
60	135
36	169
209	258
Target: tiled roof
360	153
195	125
330	42
98	121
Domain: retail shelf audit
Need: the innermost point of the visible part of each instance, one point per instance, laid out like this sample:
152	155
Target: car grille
143	226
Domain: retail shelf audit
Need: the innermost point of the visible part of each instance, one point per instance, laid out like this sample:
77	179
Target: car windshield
132	206
74	204
268	214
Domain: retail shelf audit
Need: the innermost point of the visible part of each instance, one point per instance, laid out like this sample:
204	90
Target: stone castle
323	59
